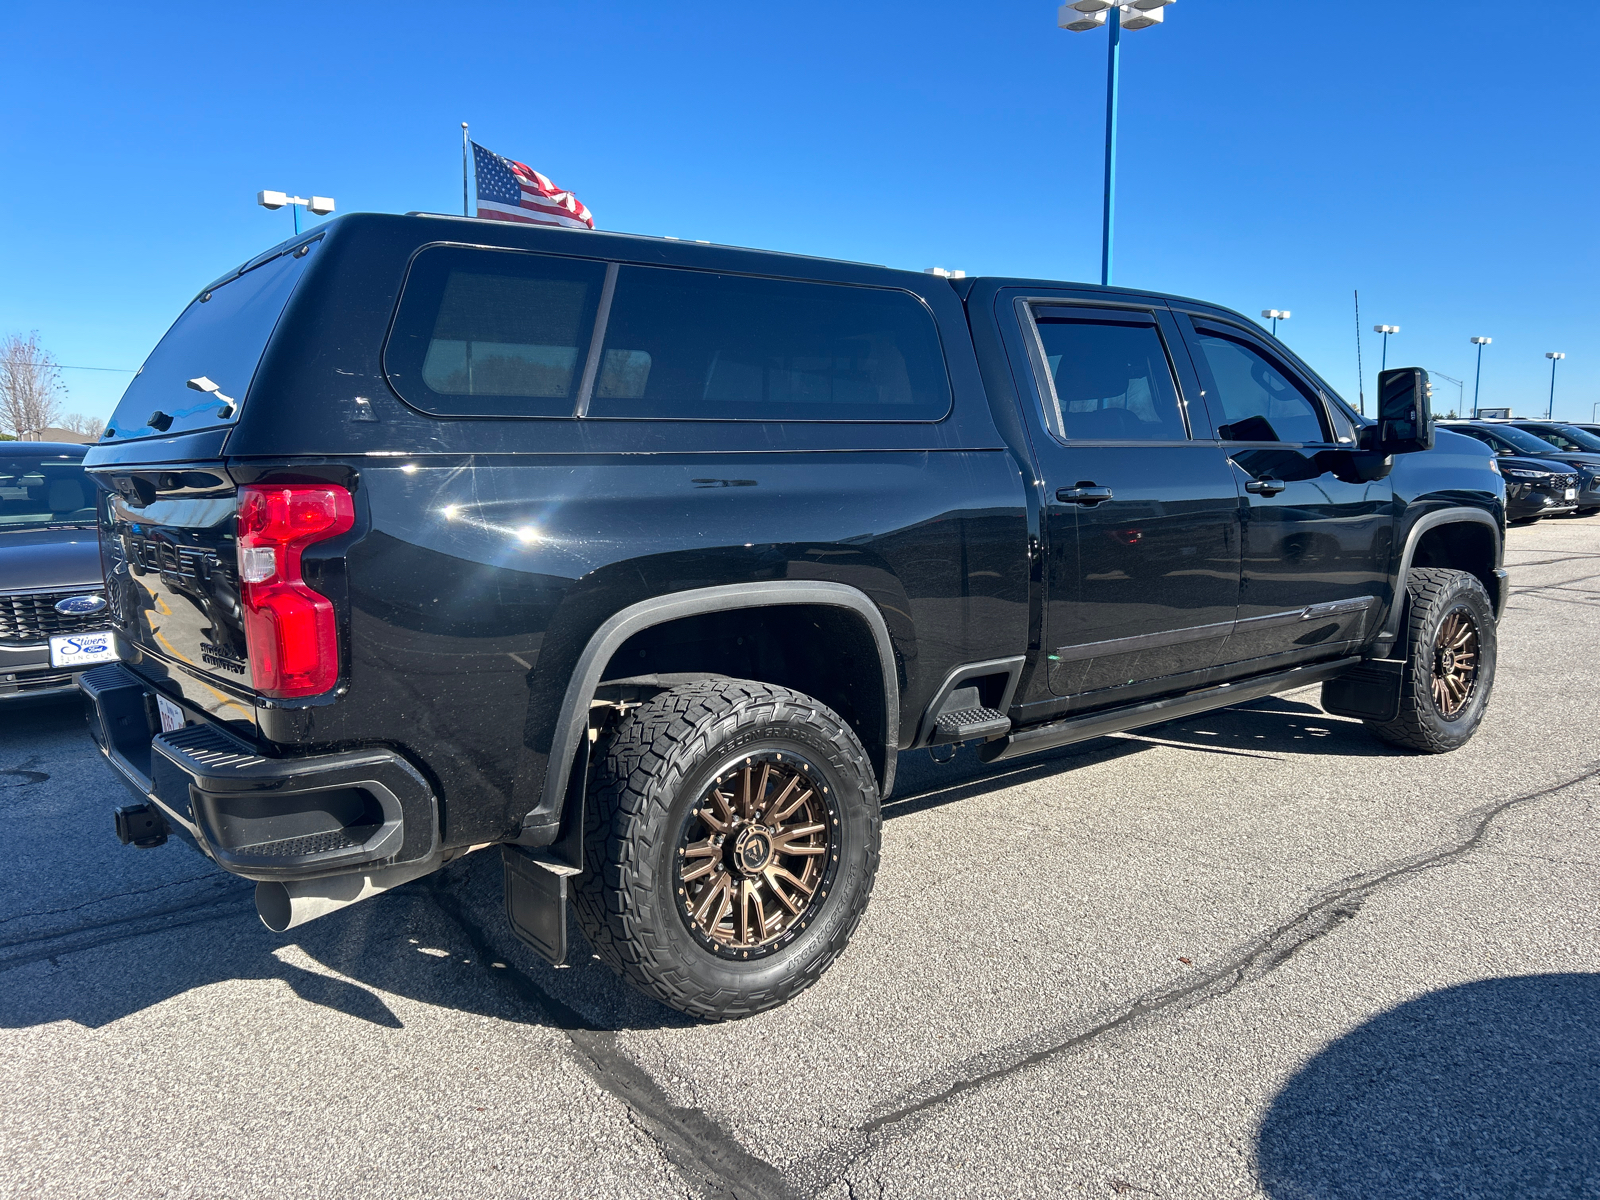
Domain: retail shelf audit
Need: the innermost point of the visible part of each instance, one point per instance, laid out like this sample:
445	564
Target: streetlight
1386	330
1554	356
1460	386
1480	343
1275	315
1080	16
321	205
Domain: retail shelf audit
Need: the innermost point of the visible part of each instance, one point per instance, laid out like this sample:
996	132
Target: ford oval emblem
80	606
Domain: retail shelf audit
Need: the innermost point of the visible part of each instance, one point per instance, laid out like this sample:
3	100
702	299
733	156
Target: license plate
171	714
1572	493
83	649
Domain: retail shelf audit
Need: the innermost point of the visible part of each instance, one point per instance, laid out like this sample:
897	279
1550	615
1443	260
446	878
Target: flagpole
464	149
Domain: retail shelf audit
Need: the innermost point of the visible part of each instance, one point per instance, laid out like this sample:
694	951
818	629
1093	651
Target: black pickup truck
643	559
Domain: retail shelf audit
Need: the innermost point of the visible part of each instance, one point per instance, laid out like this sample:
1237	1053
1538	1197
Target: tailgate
167	544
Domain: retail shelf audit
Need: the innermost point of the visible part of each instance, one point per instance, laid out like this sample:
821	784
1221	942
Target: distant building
52	434
1501	414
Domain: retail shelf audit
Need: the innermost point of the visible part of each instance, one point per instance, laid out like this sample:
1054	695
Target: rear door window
703	346
219	338
493	332
1252	397
1109	376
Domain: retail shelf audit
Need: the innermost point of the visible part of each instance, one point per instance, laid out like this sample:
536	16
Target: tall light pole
1275	315
1080	16
1386	330
321	205
1554	356
1480	343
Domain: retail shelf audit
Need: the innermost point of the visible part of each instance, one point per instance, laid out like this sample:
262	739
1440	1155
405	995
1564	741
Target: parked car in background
53	621
1571	440
1542	480
1586	427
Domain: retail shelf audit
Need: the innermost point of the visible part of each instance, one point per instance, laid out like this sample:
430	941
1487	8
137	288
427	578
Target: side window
1252	399
493	332
702	346
1481	435
1109	375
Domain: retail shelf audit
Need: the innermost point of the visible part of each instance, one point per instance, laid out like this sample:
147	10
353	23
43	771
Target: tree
30	386
88	426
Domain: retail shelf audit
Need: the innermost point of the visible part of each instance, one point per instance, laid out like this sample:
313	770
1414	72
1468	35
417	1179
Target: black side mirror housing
1405	411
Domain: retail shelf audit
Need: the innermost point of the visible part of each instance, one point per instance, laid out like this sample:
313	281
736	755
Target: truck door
1141	518
1317	540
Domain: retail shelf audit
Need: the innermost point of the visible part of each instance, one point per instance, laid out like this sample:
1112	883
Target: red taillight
291	630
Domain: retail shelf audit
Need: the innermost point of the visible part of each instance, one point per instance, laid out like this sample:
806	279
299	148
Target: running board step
968	724
1135	716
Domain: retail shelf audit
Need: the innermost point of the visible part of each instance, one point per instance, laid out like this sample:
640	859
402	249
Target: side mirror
1405	411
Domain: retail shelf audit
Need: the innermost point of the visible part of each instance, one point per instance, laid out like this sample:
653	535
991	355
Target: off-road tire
654	767
1432	594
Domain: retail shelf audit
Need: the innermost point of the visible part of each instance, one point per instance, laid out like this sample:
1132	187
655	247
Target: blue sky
1442	159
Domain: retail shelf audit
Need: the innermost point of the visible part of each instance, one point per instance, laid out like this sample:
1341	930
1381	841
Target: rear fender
571	734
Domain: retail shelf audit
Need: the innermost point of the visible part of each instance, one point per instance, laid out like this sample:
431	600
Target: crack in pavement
1260	956
698	1146
209	876
222	908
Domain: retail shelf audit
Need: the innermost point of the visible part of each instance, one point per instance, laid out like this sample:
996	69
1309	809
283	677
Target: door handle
1084	493
1265	487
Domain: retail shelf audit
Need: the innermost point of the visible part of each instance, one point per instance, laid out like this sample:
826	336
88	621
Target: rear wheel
732	843
1450	662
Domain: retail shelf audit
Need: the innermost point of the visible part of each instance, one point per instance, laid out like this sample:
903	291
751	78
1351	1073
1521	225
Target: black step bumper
260	817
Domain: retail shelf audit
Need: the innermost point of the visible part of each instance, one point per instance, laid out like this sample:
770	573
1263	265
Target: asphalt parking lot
1255	953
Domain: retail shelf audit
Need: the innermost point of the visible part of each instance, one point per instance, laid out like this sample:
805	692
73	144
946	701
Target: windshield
217	343
42	490
1524	441
1573	438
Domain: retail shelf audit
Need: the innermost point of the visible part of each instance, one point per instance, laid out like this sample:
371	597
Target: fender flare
573	723
1432	520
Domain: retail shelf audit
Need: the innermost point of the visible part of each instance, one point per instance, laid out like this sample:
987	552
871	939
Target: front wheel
732	835
1450	661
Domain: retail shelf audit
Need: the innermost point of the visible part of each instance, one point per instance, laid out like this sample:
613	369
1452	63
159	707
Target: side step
1133	716
967	723
963	717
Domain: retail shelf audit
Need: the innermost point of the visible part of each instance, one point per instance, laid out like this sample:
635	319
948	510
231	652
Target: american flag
513	191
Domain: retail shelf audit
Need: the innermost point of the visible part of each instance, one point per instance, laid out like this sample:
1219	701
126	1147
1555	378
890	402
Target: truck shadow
1485	1089
1275	725
444	940
1266	728
407	945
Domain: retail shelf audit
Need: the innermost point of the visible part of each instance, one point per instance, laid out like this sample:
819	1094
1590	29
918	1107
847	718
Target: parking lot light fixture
1080	16
321	205
1480	343
1275	315
1386	330
1554	356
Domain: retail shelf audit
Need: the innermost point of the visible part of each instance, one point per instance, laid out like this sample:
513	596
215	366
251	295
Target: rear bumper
259	817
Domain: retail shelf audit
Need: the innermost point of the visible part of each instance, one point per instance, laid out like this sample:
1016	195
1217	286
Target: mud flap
1369	692
536	900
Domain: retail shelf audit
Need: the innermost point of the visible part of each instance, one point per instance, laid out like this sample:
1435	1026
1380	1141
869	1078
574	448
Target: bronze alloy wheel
1455	662
757	855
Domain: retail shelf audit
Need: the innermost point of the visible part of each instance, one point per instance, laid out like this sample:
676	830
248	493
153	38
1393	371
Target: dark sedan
53	621
1509	440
